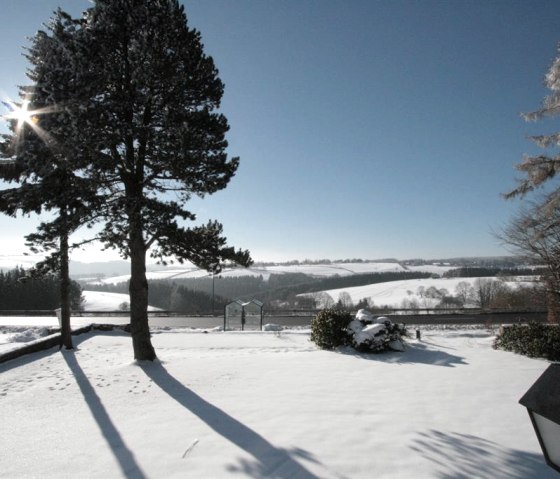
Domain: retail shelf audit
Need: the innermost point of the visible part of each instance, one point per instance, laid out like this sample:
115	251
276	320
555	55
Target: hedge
535	340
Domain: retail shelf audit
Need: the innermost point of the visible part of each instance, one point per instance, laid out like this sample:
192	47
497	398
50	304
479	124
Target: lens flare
22	114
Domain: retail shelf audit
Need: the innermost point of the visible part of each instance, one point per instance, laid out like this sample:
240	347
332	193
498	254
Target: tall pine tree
38	157
141	129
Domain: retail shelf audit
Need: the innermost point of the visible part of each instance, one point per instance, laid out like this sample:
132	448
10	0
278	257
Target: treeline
18	291
171	296
484	293
175	297
337	282
281	286
475	272
296	262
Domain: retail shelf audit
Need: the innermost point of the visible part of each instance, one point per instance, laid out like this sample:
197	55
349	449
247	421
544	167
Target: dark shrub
329	329
535	340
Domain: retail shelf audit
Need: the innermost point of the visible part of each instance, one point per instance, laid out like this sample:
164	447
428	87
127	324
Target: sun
22	114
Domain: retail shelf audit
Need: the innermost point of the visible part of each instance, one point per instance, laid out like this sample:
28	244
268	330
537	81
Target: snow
16	330
315	270
393	293
270	404
438	269
103	301
11	337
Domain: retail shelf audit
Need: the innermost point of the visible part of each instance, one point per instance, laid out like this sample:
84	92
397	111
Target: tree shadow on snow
122	453
464	456
414	353
269	460
81	338
27	359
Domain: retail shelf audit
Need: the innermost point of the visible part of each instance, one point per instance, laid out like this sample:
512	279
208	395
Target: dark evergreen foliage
129	101
329	329
174	297
19	291
535	340
44	159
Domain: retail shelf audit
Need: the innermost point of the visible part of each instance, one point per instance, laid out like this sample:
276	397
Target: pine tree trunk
139	327
65	327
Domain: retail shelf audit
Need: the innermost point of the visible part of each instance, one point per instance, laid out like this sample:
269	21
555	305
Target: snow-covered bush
329	329
369	334
333	328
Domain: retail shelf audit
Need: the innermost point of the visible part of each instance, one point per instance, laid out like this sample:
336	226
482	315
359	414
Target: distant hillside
322	270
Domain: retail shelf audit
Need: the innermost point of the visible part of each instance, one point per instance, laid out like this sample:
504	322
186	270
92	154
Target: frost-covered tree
534	232
539	169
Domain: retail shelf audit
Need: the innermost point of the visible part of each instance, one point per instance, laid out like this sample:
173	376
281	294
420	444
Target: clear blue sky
365	129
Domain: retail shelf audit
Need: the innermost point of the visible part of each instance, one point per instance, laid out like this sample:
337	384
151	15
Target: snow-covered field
393	293
103	301
315	270
269	405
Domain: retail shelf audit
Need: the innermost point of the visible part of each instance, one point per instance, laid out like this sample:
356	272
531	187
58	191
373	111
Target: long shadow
37	356
270	461
27	359
122	453
464	456
416	353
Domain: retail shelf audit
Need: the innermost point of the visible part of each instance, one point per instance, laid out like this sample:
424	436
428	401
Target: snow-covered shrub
369	334
329	329
333	328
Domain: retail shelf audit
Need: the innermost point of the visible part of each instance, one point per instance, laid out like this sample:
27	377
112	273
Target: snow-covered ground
269	405
12	337
17	330
103	301
393	293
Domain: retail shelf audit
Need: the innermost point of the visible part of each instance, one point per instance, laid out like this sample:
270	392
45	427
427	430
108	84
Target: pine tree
46	166
541	168
138	108
154	136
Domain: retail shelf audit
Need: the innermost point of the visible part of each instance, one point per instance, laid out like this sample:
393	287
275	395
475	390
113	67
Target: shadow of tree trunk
124	456
270	461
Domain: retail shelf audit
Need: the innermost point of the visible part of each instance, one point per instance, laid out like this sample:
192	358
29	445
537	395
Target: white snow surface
269	405
103	301
393	293
11	337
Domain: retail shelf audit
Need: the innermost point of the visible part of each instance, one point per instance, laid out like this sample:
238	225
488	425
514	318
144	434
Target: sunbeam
25	116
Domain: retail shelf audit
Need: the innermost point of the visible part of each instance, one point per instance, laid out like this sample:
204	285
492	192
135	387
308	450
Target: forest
20	291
